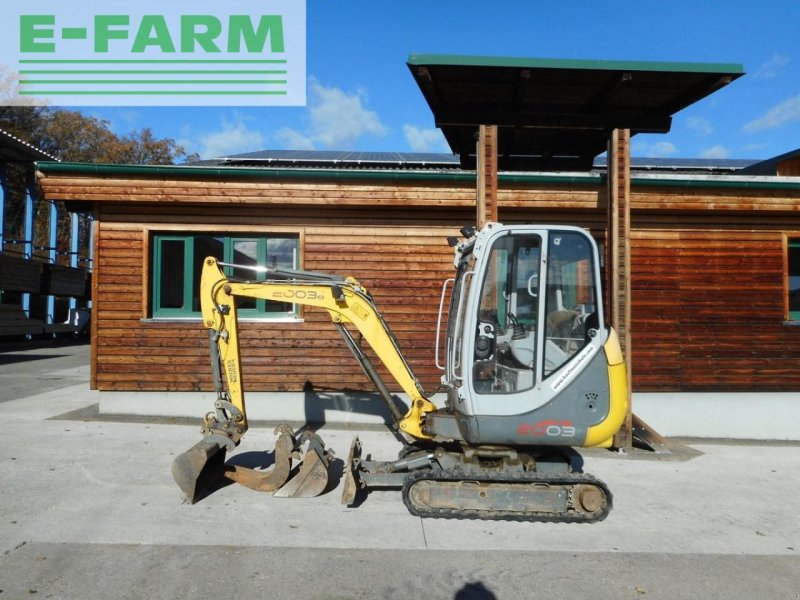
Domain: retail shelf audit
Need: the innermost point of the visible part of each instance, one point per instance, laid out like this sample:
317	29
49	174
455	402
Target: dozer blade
351	467
312	477
197	470
273	478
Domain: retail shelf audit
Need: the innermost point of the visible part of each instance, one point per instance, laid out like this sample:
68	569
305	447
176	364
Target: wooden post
486	157
619	258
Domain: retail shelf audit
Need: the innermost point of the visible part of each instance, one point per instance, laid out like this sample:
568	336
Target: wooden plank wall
403	267
708	312
707	275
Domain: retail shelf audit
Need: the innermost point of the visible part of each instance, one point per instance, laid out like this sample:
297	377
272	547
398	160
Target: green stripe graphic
152	93
151	72
196	70
53	61
153	81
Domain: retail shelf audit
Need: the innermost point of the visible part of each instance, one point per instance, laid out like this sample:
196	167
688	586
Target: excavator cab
525	348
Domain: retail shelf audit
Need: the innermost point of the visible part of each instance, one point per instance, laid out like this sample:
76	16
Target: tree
143	148
70	136
75	137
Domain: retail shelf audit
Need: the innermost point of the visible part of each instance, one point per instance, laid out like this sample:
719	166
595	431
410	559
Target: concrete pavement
88	509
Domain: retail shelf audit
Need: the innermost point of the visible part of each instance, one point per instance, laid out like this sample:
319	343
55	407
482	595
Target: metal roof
451	176
332	159
335	158
13	149
557	114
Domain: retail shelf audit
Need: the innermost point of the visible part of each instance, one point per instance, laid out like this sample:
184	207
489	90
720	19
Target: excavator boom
347	302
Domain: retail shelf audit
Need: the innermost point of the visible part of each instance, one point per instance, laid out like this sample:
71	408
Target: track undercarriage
487	482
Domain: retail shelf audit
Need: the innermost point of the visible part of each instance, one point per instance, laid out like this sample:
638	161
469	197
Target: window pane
570	298
171	275
204	246
176	277
245	253
281	254
505	342
794	278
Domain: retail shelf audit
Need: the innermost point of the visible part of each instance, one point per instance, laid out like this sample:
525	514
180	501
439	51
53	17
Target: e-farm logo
156	53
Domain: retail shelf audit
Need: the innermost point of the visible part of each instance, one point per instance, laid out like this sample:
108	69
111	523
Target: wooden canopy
524	114
556	114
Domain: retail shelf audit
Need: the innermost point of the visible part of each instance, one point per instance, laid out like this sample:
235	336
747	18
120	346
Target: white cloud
757	147
234	138
699	125
717	151
290	139
777	116
661	150
425	140
771	68
336	119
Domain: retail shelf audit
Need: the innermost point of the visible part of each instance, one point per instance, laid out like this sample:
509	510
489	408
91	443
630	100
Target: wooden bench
19	274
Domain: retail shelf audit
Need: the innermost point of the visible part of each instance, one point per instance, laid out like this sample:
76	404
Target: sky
362	97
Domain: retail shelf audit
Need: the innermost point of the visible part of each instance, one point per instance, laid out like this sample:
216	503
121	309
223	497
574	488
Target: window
793	278
505	339
570	298
178	262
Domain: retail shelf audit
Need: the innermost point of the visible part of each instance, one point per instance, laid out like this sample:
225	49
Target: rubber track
530	477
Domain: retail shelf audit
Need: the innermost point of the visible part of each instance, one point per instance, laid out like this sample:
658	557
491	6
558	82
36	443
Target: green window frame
793	278
177	264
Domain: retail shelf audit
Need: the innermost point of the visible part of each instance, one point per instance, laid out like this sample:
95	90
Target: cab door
533	310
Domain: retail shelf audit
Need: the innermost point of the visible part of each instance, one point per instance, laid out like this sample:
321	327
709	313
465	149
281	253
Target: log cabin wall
710	292
708	273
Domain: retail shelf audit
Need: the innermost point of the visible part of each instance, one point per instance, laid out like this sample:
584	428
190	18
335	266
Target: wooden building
40	287
712	259
701	279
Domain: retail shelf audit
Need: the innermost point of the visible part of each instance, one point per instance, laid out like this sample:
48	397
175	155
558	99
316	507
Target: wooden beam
487	175
554	119
619	263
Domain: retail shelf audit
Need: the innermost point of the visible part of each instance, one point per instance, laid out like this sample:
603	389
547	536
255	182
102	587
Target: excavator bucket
312	476
274	477
197	470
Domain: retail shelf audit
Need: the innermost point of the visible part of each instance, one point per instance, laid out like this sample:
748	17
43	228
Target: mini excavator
530	371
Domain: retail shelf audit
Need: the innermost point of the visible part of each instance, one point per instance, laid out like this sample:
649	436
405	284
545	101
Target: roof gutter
181	172
447	176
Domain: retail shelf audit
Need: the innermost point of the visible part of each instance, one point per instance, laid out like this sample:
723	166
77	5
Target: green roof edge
178	171
421	59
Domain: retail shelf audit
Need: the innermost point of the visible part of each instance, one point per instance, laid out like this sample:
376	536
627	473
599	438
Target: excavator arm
347	302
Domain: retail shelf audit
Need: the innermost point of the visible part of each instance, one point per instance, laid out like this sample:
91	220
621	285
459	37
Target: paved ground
88	509
29	369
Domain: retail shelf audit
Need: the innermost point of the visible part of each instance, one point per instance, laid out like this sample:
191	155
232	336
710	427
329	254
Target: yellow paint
412	422
356	308
613	349
602	434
